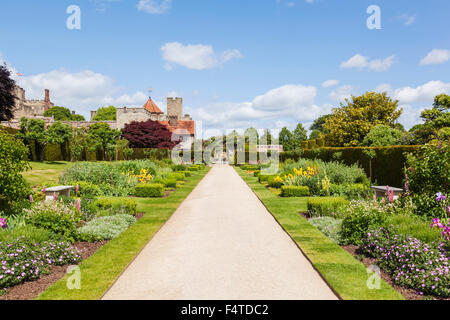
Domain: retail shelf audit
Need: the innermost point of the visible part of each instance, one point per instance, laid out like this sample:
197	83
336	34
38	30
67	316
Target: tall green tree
77	143
319	122
99	136
33	131
60	133
350	123
285	139
298	136
382	136
62	114
106	114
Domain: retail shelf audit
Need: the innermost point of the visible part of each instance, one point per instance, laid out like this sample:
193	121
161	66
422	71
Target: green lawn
44	172
346	275
100	271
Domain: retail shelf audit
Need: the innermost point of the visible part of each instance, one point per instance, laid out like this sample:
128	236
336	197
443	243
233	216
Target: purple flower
440	197
3	224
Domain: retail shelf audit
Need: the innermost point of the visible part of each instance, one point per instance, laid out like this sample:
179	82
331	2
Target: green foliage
53	216
170	183
285	139
325	206
186	173
13	161
294	191
329	226
298	136
86	189
350	191
180	167
428	173
106	228
414	226
358	218
272	183
29	233
62	114
382	135
387	165
113	205
99	136
149	190
178	176
106	114
350	123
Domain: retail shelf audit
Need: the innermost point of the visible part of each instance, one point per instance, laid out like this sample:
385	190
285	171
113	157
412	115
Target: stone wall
127	115
15	124
175	107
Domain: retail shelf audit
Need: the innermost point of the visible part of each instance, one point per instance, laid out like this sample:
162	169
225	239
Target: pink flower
77	188
43	189
55	196
31	198
78	205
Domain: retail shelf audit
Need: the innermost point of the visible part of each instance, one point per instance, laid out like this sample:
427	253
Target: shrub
23	260
180	167
178	176
249	167
274	182
105	228
264	178
411	263
351	191
149	190
86	189
186	173
358	218
53	216
30	233
294	191
134	167
325	206
13	161
329	226
256	173
414	226
112	205
170	183
194	168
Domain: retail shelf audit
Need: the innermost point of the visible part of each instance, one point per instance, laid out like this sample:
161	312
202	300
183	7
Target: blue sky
265	63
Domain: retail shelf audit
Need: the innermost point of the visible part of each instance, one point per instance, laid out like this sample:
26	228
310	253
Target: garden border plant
101	270
340	269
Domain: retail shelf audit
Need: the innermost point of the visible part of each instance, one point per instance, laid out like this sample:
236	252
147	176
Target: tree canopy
285	139
149	134
382	136
106	114
62	114
100	136
350	123
6	94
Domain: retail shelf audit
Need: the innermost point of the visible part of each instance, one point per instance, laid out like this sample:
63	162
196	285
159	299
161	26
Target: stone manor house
181	125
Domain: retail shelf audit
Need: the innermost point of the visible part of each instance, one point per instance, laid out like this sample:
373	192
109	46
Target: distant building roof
182	127
152	107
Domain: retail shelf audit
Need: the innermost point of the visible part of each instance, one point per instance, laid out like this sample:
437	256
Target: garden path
221	243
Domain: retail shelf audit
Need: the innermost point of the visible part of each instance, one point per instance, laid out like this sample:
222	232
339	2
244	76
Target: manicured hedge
149	190
178	176
387	166
115	205
186	173
294	191
271	182
325	206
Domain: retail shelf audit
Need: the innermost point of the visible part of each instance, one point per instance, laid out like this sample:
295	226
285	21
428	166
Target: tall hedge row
387	166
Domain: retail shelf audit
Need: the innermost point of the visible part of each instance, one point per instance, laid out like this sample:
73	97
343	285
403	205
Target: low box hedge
170	183
271	182
153	190
294	191
178	176
186	173
264	178
325	206
256	173
114	205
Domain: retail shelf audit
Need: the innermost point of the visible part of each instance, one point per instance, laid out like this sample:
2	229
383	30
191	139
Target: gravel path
220	244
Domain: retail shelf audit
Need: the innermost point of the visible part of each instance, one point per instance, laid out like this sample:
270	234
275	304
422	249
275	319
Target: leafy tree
382	135
6	94
350	123
77	143
285	138
436	120
319	122
13	161
33	130
149	134
99	136
298	136
59	133
267	137
77	117
106	114
315	134
62	114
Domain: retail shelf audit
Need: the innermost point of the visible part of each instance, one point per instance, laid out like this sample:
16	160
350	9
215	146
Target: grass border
100	271
343	273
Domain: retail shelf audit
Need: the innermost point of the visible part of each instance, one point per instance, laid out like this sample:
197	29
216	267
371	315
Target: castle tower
175	107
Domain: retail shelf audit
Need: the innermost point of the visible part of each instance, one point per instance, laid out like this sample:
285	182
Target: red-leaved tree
149	134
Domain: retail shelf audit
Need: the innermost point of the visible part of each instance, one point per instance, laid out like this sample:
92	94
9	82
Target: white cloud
407	19
436	56
384	87
342	93
360	62
287	104
197	57
154	6
410	116
382	65
330	83
422	93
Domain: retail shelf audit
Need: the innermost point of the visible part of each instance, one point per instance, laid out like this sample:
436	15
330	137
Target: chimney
73	112
47	99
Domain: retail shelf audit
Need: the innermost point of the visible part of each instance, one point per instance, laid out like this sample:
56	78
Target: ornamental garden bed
44	237
407	237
